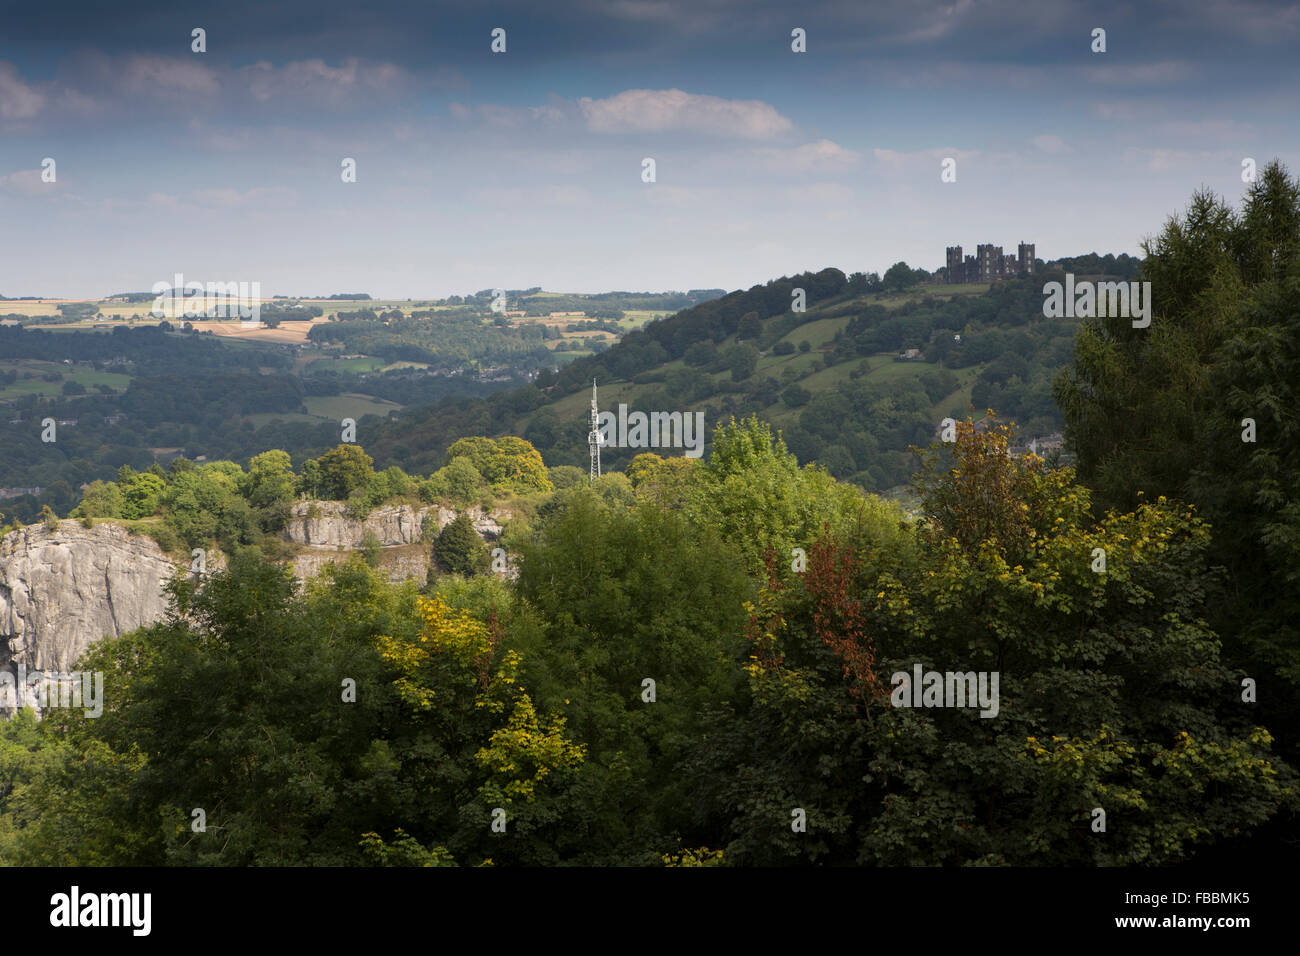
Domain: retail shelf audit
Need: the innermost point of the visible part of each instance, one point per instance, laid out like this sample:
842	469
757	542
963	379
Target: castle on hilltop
989	264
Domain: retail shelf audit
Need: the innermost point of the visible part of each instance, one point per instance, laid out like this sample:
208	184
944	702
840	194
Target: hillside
832	378
127	388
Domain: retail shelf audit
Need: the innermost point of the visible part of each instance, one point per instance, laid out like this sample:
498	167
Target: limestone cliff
325	533
61	590
327	524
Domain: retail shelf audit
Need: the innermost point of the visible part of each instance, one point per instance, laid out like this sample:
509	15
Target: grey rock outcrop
326	533
62	590
327	524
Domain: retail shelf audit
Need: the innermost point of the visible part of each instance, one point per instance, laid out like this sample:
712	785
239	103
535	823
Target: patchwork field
87	377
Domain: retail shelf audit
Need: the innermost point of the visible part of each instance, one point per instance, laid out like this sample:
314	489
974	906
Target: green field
347	405
88	377
367	364
818	333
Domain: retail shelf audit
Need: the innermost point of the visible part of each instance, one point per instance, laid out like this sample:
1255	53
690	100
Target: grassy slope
819	332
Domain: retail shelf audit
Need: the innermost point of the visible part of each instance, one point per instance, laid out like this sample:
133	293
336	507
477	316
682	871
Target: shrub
458	549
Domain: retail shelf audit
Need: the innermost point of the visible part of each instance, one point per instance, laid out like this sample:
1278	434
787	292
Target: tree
1164	411
458	548
458	481
141	495
1100	673
197	502
509	462
343	470
753	492
269	487
101	499
796	395
898	277
742	360
617	591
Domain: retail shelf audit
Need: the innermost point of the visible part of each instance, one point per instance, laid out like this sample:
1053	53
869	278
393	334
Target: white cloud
26	182
1116	111
655	111
1050	143
17	99
1164	73
1208	129
1164	160
893	160
520	197
317	81
822	155
262	196
821	194
165	76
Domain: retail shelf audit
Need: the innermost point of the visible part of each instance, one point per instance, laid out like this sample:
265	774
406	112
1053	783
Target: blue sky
479	170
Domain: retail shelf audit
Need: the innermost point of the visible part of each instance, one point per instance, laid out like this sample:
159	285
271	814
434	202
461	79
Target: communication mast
593	437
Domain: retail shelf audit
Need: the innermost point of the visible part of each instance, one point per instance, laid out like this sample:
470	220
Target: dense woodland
696	653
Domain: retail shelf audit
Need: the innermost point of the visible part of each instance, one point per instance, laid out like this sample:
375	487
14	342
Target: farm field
87	377
347	405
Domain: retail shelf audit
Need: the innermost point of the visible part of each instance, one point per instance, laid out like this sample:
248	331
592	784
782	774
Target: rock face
327	524
327	533
62	590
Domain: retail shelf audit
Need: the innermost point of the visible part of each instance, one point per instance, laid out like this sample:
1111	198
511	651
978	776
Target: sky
479	170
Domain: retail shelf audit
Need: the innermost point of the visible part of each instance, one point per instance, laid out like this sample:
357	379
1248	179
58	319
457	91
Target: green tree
101	499
141	495
1168	410
343	470
458	549
618	596
1112	693
269	487
458	481
742	360
199	504
898	277
509	462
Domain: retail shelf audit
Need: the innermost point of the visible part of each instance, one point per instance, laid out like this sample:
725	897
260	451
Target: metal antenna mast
593	437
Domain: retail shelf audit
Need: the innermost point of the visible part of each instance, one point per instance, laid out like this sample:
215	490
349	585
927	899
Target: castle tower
1026	254
956	267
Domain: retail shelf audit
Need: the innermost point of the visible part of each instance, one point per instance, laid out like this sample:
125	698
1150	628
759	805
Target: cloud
657	111
1164	73
941	22
520	197
821	194
1115	111
17	99
552	113
317	81
262	196
1164	160
1207	129
1049	143
890	159
26	182
166	76
823	155
93	83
